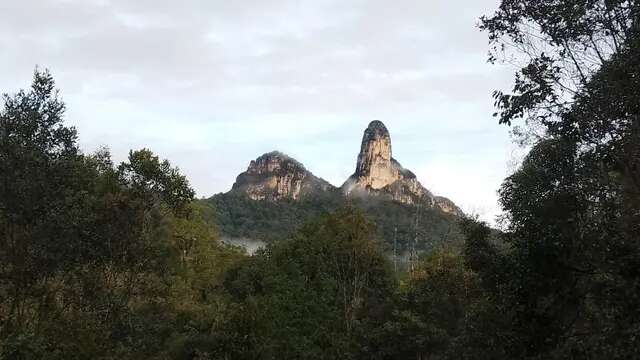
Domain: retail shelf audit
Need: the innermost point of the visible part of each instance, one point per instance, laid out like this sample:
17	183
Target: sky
213	84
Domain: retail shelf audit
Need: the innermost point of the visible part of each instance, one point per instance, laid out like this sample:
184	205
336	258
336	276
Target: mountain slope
379	174
241	217
276	176
276	195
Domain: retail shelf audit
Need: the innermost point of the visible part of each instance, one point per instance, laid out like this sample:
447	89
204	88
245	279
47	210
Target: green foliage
146	174
241	217
442	311
315	295
566	278
97	261
558	46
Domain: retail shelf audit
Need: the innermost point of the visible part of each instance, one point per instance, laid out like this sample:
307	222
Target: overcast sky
212	84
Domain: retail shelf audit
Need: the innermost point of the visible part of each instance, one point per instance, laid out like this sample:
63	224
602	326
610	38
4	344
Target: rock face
379	174
276	176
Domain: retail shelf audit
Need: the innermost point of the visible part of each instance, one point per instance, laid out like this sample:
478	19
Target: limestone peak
276	176
378	173
374	164
376	129
274	161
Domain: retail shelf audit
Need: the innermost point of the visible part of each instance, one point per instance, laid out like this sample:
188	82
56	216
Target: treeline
96	260
106	261
237	216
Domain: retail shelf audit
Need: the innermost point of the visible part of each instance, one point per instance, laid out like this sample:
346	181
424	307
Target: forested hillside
240	217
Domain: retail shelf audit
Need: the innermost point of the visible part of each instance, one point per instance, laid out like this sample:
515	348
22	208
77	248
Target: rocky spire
378	173
275	176
374	166
376	169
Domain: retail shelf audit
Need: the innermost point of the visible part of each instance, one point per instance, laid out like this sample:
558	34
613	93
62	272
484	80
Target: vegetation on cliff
237	216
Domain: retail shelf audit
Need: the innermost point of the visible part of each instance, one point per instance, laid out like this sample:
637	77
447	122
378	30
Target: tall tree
87	250
41	172
558	45
572	206
318	295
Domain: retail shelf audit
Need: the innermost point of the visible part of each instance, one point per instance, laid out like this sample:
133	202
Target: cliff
379	174
276	176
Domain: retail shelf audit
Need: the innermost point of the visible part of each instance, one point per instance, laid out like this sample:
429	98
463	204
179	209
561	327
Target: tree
559	46
89	251
149	177
41	170
443	312
317	295
572	206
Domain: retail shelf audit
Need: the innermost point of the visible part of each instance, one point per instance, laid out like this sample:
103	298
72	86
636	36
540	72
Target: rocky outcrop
379	174
276	176
447	205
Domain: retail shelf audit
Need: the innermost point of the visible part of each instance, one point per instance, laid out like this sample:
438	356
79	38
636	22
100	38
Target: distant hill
241	217
277	194
379	175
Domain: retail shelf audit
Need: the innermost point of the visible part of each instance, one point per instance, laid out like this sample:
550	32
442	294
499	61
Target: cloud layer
213	84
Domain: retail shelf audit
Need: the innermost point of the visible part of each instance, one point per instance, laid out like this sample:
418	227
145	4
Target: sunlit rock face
374	167
447	205
379	174
275	176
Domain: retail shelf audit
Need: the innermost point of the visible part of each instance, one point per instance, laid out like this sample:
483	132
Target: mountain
276	176
379	174
277	194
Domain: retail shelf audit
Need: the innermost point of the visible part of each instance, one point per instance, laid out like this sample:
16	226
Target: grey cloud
231	51
210	84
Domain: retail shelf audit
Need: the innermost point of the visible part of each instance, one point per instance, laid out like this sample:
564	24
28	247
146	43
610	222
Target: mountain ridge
275	176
